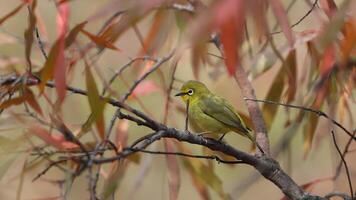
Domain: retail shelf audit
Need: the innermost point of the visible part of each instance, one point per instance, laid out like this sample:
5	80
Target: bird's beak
180	94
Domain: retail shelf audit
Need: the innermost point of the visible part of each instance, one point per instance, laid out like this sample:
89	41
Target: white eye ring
190	92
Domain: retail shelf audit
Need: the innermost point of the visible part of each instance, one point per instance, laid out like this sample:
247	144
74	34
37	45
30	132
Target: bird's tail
253	139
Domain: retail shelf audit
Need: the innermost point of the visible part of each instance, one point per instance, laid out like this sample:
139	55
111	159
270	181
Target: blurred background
166	29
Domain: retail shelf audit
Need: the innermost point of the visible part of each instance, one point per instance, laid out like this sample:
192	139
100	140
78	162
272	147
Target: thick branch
267	166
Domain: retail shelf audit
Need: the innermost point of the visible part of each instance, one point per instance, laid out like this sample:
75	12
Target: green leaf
96	104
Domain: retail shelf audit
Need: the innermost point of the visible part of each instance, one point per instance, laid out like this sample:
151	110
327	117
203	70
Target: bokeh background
148	179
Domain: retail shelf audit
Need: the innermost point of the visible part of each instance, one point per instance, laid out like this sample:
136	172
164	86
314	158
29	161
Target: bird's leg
221	137
204	133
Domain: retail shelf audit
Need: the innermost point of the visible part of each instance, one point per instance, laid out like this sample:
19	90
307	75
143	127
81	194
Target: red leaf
282	18
58	141
230	19
10	14
144	88
60	63
327	61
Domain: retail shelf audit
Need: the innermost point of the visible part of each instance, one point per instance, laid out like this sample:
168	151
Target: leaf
198	57
29	33
332	29
174	180
329	7
327	62
153	33
259	12
31	100
348	43
309	131
146	87
12	13
291	68
99	40
57	141
274	94
73	34
114	179
96	104
48	68
121	135
203	173
230	19
60	63
12	102
282	18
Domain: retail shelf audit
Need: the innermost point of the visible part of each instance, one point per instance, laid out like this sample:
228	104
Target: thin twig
346	150
121	70
338	194
211	157
144	76
301	19
317	112
345	164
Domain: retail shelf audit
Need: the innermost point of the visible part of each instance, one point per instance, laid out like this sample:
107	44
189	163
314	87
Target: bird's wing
219	109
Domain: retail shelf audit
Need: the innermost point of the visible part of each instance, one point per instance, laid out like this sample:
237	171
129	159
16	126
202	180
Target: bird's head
192	90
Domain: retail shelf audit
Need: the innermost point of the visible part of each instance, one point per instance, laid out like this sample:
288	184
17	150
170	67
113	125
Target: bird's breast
203	123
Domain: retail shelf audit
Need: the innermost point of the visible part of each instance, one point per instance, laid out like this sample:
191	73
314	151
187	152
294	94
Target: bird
211	114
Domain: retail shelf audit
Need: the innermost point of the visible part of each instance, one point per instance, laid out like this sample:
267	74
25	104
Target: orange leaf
99	40
11	102
73	34
58	141
121	135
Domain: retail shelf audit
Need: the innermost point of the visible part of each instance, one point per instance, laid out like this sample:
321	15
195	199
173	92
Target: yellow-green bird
211	114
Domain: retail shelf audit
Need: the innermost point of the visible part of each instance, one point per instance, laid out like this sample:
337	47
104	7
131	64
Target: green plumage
211	114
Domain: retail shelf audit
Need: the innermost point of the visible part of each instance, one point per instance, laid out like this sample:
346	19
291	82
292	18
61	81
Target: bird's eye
190	92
